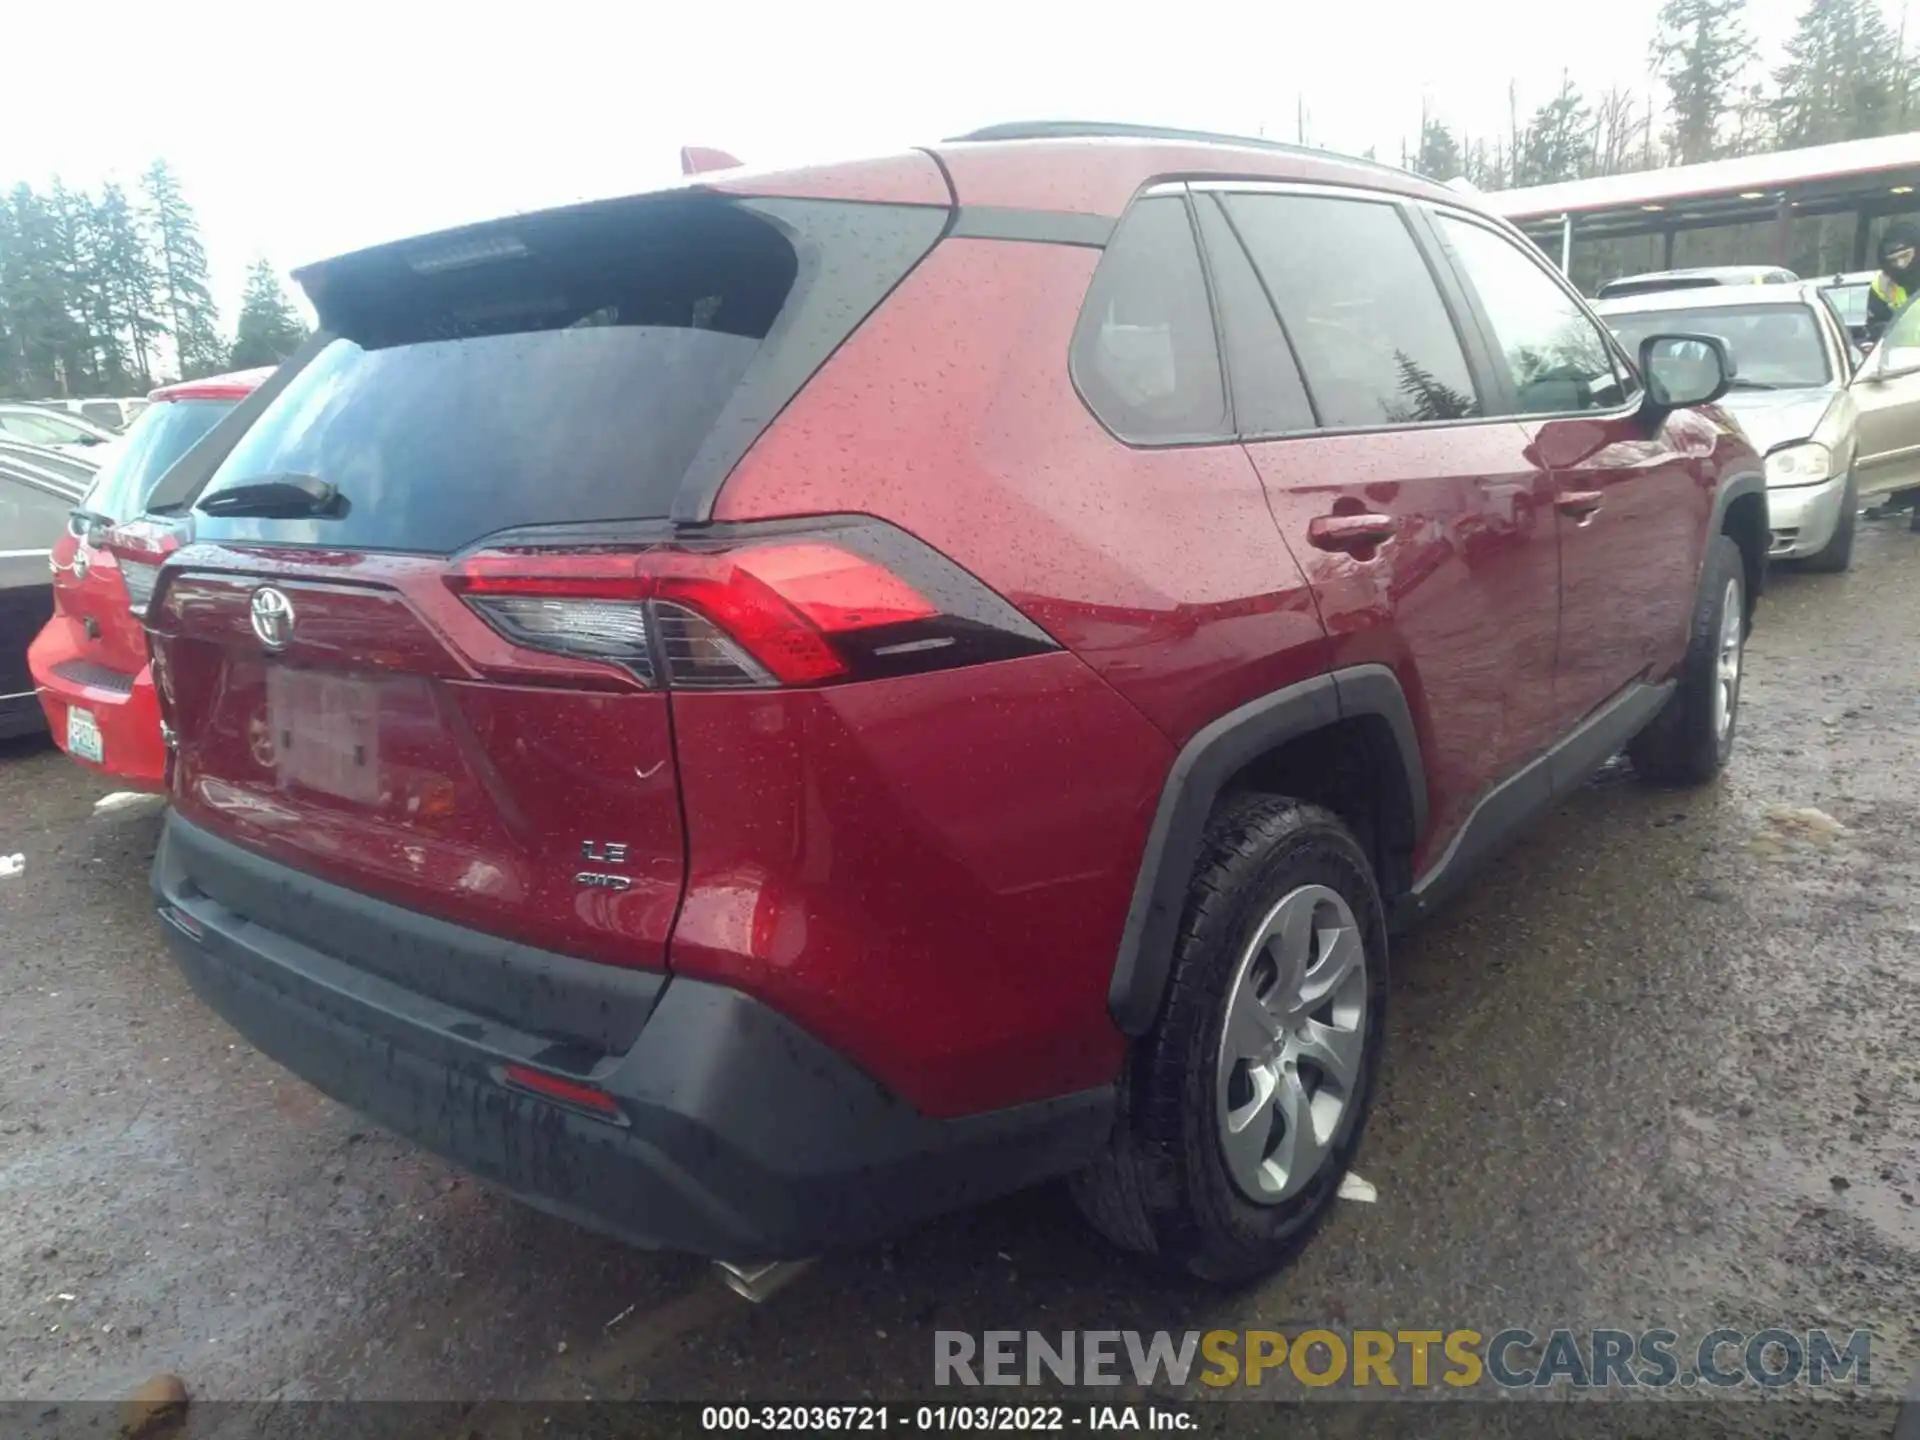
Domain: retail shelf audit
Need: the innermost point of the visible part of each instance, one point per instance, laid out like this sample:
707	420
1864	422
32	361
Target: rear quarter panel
951	413
1016	822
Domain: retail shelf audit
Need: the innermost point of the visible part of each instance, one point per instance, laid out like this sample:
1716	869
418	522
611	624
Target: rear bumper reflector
587	1099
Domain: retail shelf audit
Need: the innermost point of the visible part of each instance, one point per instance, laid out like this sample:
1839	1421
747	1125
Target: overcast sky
303	131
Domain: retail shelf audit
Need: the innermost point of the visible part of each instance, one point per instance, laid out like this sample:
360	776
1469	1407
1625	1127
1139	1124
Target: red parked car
754	714
89	662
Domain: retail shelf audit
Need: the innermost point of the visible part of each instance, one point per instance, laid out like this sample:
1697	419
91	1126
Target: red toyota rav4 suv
754	714
89	661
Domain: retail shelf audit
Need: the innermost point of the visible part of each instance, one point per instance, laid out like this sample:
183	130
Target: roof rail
1120	130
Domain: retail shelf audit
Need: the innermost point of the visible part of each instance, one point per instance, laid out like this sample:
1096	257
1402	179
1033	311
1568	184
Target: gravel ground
1656	1068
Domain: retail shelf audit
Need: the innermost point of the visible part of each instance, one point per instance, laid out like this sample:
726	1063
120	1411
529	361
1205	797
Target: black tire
1683	744
1837	554
1163	1189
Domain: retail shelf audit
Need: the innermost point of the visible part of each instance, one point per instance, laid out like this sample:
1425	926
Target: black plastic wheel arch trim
1731	488
1199	772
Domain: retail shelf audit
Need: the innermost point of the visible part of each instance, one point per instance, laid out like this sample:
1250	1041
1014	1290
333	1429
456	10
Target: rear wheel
1691	738
1837	554
1242	1108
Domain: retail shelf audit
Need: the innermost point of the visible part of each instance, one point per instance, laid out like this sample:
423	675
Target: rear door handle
1349	533
1580	504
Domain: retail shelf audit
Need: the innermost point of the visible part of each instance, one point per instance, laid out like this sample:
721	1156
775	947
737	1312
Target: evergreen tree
10	376
1753	123
182	263
1701	50
1845	77
1439	157
1426	397
270	329
1558	143
127	279
103	366
1486	165
92	346
36	293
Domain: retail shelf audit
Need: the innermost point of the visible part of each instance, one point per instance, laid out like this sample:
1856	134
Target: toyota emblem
272	617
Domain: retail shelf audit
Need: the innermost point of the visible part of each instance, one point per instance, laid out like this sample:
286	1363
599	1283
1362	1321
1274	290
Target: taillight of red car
141	547
751	607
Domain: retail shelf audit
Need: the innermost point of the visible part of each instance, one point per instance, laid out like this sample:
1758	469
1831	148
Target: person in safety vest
1896	284
1898	280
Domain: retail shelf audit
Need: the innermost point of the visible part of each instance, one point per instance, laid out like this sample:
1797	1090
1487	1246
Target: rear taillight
751	607
141	547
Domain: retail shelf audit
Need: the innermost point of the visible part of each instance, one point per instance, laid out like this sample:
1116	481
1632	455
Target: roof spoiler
698	159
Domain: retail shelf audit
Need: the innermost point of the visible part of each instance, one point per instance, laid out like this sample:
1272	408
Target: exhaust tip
758	1283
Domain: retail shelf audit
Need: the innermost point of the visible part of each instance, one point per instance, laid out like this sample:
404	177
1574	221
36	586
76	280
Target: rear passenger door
1425	530
1633	500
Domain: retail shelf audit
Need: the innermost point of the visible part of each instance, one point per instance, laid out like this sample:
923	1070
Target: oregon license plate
83	736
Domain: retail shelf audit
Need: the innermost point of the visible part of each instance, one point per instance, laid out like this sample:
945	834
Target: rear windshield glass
138	459
1773	347
559	369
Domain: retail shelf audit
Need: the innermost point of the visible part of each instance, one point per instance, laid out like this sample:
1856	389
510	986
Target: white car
1700	278
104	411
1793	393
35	425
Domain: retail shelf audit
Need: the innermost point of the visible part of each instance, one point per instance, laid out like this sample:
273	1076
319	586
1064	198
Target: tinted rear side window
1366	319
566	368
1268	396
161	435
1144	354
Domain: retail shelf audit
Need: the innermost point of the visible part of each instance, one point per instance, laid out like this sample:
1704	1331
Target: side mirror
1682	370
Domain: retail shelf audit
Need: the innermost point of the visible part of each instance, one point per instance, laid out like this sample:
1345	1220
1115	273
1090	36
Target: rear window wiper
278	497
